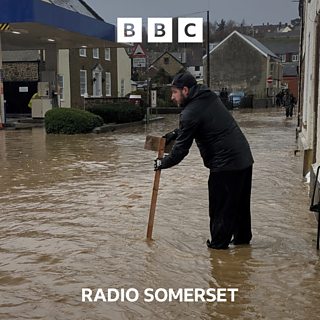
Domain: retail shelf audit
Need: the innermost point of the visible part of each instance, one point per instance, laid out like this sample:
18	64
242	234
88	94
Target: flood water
74	213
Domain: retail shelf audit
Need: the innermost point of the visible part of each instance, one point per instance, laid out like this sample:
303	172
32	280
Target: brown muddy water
74	212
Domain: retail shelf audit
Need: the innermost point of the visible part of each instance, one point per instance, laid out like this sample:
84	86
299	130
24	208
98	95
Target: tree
221	25
162	77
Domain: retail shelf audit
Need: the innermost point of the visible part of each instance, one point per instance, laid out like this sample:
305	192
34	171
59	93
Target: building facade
21	73
93	73
309	101
241	63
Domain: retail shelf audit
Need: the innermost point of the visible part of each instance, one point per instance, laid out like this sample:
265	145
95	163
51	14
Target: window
122	88
83	52
271	71
295	57
108	84
166	60
83	83
95	53
107	55
283	57
197	68
61	86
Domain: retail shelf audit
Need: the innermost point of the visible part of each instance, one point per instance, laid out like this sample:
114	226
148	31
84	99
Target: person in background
225	152
292	104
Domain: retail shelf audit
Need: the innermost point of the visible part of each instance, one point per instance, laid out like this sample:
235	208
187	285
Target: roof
78	6
282	45
69	23
166	52
263	49
251	41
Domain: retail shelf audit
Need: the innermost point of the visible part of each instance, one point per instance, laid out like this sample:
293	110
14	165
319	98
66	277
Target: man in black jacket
224	150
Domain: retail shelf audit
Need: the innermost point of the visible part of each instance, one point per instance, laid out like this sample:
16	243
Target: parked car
142	84
235	98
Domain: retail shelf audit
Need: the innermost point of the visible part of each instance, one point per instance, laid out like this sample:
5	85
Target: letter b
159	30
129	30
159	27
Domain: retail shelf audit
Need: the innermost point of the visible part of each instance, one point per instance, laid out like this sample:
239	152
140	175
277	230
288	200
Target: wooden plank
152	143
156	182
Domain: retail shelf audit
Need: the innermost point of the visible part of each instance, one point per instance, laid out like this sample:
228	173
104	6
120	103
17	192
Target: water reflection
74	212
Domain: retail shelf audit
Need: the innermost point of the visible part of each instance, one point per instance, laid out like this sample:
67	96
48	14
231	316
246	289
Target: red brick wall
292	85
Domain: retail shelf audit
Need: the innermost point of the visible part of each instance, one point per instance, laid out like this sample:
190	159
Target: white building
309	96
124	72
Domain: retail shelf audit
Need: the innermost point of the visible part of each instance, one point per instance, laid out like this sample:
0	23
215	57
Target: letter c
186	30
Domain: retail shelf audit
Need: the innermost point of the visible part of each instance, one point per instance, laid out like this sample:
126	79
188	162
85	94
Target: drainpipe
2	110
301	70
207	49
316	90
267	84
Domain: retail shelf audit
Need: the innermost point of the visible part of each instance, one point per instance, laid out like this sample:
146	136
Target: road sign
138	52
269	80
139	62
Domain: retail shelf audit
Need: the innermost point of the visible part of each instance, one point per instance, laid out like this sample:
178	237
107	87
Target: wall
172	67
21	71
124	71
309	135
292	85
238	66
196	74
64	70
88	63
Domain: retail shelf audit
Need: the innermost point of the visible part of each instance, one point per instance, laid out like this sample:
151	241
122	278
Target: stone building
242	63
167	62
20	76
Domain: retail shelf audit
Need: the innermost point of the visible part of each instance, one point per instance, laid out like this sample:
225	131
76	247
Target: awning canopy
35	23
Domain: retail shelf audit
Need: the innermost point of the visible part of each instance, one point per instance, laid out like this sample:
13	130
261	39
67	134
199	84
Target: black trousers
289	111
229	207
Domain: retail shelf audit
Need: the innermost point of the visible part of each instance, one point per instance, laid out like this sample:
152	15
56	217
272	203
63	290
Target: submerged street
74	213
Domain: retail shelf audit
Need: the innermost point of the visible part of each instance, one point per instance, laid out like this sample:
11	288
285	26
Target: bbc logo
190	30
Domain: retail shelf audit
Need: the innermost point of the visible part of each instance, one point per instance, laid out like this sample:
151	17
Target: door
17	96
97	84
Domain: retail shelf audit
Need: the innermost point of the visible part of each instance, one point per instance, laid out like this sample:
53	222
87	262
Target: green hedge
118	113
71	121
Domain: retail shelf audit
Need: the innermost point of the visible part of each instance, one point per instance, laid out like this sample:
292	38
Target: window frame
82	94
95	53
107	56
84	50
108	84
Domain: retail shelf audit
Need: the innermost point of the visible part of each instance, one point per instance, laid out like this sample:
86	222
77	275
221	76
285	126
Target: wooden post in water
161	146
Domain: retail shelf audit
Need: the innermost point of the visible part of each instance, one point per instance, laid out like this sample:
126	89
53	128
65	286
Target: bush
118	113
71	121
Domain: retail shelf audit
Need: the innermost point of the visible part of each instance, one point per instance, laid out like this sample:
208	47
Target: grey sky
253	11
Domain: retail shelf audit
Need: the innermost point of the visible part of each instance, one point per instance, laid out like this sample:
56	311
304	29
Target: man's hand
157	164
170	136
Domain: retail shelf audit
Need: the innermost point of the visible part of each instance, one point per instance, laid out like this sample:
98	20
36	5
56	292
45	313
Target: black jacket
222	145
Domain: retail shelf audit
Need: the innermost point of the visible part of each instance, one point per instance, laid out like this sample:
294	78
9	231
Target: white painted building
124	72
64	79
309	96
